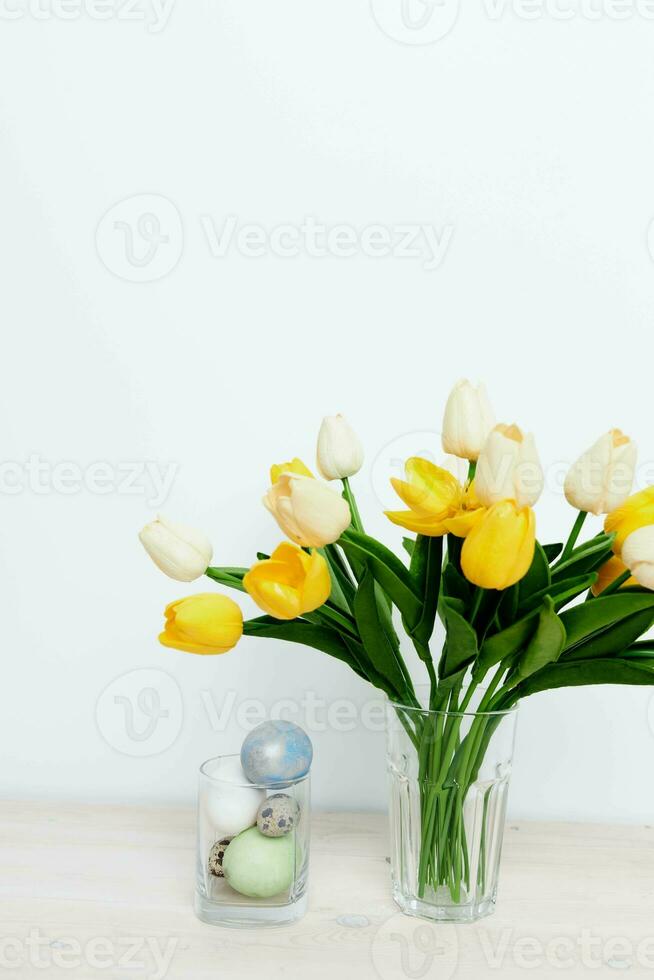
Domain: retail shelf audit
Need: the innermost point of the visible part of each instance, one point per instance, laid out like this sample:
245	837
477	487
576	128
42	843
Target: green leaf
561	592
454	548
342	587
615	639
577	674
231	577
588	557
408	544
298	631
460	648
607	625
455	585
505	644
545	646
262	556
426	564
537	578
374	636
552	551
394	577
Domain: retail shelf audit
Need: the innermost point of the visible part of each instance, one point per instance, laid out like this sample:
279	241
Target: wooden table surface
106	891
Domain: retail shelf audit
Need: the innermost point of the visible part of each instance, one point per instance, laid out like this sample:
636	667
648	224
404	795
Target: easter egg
216	856
259	866
277	815
276	752
230	807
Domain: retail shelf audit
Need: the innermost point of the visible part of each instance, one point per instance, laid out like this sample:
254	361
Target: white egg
230	808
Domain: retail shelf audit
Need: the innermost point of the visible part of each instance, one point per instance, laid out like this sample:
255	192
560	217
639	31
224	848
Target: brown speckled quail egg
277	815
216	856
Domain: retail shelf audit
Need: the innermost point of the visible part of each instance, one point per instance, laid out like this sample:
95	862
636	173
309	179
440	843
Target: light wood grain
575	894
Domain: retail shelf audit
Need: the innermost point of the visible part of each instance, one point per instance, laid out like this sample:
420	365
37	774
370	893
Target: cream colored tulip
602	478
308	511
340	453
638	555
508	468
181	552
468	420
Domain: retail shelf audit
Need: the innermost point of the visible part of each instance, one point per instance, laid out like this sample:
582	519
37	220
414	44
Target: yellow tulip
293	466
290	582
608	573
203	623
636	512
499	549
436	500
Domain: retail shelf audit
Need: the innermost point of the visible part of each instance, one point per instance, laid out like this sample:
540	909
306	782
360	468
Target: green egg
259	866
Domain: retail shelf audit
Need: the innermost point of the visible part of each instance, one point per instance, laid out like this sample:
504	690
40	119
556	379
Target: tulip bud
468	420
204	623
499	549
290	582
182	552
638	555
508	468
602	477
340	453
636	511
309	512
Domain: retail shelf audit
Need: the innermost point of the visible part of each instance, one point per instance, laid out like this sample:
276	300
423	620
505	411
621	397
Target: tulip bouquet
519	616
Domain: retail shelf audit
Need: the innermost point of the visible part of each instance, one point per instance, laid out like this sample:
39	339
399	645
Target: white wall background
526	144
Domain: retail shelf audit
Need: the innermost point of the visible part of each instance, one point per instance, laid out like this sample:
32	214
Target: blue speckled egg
276	752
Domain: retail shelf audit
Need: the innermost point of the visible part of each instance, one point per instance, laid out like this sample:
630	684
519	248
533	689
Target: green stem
476	604
574	534
615	584
354	510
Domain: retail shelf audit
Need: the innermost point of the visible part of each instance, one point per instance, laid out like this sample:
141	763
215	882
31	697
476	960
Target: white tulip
508	468
340	453
308	511
638	555
182	552
601	479
468	420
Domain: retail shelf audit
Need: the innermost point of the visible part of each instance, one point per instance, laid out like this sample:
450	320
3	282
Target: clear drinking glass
264	879
449	781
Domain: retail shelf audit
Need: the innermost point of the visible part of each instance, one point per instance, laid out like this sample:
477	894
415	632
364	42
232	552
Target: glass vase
252	847
449	777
